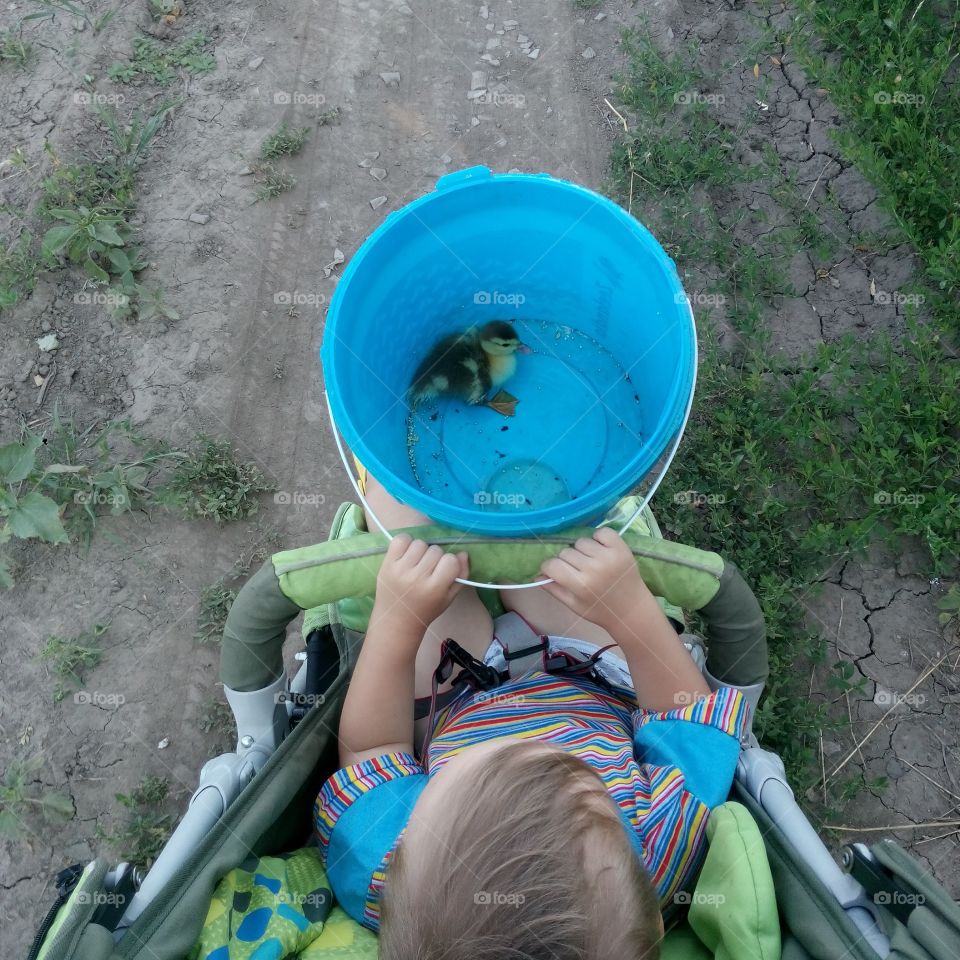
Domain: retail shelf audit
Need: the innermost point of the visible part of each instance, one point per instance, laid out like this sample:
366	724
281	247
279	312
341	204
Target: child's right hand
597	579
416	582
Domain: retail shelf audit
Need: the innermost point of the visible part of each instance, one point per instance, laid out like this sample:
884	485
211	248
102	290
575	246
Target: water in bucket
602	395
573	392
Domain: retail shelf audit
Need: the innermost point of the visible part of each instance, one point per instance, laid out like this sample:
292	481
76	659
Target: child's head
515	851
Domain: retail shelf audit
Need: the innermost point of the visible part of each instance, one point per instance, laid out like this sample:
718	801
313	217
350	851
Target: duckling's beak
523	348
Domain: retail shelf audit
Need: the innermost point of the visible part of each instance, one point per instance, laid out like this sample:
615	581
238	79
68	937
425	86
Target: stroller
257	800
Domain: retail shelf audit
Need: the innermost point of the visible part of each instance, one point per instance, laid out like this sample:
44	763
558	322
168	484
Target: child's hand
416	583
597	579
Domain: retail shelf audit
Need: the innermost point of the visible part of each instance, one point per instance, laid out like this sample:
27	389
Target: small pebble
45	326
372	154
492	60
589	53
254	63
493	43
474	121
200	218
391	78
489	26
378	173
533	54
478	80
509	24
164	743
377	202
600	16
476	94
484	12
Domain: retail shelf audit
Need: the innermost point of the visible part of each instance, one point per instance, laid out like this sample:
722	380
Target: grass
213	484
284	142
55	485
23	796
84	211
146	829
14	49
891	68
50	8
161	63
811	466
215	602
70	657
272	181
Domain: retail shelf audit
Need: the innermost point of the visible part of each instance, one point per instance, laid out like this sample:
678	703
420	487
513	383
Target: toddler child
551	817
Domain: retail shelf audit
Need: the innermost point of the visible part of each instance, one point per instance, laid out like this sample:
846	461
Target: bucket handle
535	583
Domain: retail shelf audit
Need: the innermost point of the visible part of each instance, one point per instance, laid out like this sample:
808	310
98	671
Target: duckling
469	365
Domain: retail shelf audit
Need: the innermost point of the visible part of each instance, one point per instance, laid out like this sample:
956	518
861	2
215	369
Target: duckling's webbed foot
504	403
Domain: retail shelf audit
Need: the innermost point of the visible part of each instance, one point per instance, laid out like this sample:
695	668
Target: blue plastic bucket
606	387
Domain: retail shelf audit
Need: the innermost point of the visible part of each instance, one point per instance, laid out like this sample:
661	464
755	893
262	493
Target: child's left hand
416	583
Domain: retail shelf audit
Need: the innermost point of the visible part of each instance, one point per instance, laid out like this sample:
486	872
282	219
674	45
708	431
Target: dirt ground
241	363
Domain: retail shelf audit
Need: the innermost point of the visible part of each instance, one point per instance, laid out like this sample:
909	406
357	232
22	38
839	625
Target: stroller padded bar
310	577
330	571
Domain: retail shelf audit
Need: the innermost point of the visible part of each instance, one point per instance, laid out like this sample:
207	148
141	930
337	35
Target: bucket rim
628	476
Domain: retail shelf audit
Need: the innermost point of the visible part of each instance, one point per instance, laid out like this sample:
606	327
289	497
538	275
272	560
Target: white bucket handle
536	583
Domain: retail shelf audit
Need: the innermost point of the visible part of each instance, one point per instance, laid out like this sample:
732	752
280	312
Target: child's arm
415	585
598	579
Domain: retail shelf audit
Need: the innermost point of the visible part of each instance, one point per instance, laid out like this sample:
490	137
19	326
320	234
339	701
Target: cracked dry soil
242	365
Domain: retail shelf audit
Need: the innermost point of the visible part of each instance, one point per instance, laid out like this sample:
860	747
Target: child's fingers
557	568
561	593
607	536
589	547
572	557
398	546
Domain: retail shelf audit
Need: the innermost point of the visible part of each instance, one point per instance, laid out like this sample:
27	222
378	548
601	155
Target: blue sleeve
701	740
360	812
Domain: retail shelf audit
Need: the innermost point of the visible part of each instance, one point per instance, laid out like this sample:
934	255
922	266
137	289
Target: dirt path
248	282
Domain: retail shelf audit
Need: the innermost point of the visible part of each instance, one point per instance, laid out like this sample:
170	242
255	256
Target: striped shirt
663	770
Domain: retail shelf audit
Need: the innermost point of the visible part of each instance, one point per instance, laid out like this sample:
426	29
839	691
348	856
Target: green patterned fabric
276	907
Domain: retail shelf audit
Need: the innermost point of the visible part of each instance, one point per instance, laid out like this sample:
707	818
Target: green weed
14	49
52	7
22	796
159	63
141	838
284	142
213	484
890	67
20	266
215	603
272	181
69	657
217	718
55	484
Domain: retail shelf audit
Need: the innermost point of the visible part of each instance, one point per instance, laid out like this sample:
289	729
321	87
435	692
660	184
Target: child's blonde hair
529	860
